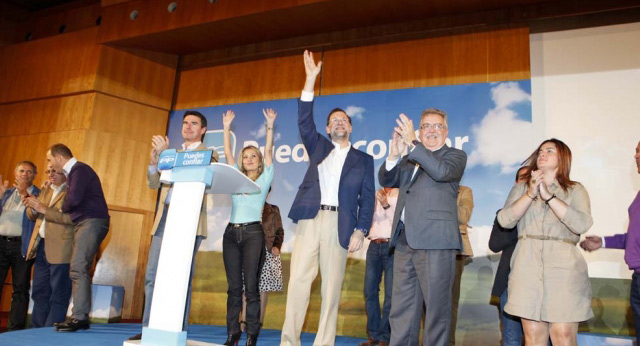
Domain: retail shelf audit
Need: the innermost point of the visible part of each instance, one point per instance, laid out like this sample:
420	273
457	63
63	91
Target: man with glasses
15	231
51	245
333	209
426	237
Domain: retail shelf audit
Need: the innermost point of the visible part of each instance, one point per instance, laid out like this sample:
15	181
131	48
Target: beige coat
154	182
465	208
58	229
549	280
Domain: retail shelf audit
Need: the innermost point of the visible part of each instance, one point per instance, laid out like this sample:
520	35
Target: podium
192	176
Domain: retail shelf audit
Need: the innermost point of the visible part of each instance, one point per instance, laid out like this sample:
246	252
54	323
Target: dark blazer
356	194
430	198
502	239
272	226
85	199
27	224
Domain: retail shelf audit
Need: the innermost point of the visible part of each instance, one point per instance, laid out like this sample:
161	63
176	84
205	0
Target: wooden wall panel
268	79
14	149
145	77
118	256
48	22
508	54
47	115
41	69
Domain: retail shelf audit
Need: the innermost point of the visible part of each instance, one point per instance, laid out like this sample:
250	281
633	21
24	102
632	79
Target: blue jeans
511	325
378	261
152	269
635	304
51	290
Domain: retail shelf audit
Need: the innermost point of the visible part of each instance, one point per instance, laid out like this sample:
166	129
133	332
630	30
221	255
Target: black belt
328	207
14	238
238	225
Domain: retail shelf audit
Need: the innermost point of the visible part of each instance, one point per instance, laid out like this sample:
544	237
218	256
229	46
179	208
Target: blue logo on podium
167	159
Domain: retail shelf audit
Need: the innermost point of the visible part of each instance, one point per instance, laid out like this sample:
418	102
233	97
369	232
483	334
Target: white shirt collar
58	188
192	146
341	150
440	147
67	166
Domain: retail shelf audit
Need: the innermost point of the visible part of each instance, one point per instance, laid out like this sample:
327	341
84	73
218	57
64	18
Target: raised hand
534	183
21	185
227	119
397	147
35	204
310	67
381	196
3	186
405	129
270	115
158	144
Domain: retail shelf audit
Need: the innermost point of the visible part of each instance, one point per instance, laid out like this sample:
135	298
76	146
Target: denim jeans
152	269
243	253
378	262
511	325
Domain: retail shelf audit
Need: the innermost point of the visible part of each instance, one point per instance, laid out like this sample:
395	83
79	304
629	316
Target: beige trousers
316	244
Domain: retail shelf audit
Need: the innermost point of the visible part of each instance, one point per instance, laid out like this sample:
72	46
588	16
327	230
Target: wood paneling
457	59
118	256
48	115
48	22
145	77
508	54
33	147
268	79
49	67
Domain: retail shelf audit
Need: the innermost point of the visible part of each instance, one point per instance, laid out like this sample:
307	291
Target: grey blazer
430	197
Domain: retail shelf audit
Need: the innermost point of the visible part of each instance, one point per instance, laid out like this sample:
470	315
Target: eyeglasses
338	120
431	126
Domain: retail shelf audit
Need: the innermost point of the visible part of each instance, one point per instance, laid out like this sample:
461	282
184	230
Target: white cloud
508	94
503	139
355	112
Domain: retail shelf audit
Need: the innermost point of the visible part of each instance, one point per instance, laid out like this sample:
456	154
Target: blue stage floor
116	333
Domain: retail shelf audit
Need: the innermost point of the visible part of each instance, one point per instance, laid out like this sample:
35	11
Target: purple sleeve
76	189
615	241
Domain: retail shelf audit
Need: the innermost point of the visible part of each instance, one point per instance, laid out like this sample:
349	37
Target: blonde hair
260	167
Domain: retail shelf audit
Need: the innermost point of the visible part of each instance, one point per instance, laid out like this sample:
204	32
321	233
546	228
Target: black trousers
243	254
11	257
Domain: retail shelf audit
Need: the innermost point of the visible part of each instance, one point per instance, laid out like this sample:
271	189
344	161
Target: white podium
192	176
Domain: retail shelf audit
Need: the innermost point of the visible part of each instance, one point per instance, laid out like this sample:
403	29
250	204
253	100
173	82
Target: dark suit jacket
502	239
430	198
356	194
85	199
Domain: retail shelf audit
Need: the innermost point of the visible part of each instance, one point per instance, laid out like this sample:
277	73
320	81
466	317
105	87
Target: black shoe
252	339
72	325
136	337
232	339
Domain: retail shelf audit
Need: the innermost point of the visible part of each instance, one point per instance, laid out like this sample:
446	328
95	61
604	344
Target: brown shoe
369	342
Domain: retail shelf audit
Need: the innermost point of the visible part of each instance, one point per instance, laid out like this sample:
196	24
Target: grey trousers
429	273
88	235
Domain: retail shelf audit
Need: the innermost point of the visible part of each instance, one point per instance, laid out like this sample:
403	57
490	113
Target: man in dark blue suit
87	207
333	209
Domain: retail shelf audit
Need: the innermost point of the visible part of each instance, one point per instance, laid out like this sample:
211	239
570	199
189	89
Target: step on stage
115	334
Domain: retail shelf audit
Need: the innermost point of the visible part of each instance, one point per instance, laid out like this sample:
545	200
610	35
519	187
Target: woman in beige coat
549	285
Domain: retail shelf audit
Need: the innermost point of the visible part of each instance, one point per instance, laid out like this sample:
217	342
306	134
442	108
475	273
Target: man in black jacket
505	240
